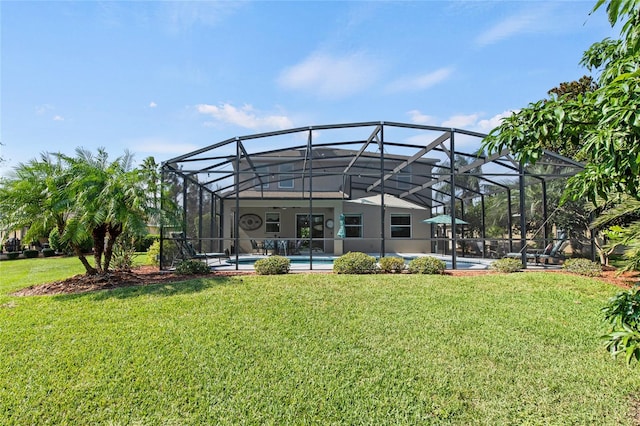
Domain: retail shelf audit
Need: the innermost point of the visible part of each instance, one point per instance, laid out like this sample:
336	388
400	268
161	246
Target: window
404	178
265	182
285	178
353	226
400	226
263	172
272	222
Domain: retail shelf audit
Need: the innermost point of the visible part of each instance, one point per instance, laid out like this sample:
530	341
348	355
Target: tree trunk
99	233
89	269
114	232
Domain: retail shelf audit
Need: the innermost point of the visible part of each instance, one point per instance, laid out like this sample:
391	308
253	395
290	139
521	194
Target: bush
622	312
30	254
123	252
55	242
144	243
12	255
583	267
507	265
273	265
192	267
153	254
355	263
48	252
391	264
426	265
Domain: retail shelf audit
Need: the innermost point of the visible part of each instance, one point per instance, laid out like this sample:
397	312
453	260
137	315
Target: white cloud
419	118
420	82
244	117
462	121
528	21
475	122
184	15
152	104
44	108
58	118
330	76
153	145
487	125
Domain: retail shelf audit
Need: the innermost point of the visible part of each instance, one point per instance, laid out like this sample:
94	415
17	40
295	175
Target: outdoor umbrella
341	231
444	219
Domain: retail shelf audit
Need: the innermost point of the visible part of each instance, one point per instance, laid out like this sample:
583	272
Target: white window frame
285	175
270	221
392	225
360	226
266	177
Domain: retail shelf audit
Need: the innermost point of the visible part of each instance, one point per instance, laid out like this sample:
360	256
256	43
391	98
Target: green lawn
311	349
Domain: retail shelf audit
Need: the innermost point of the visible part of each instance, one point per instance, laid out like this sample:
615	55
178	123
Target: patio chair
256	247
296	247
269	245
550	252
556	251
186	250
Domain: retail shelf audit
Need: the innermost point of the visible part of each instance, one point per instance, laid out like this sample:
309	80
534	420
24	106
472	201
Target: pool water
295	260
328	260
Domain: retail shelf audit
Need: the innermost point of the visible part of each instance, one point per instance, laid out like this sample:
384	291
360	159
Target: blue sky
165	78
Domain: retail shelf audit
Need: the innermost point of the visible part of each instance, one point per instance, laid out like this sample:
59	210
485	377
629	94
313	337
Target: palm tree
112	197
38	196
85	195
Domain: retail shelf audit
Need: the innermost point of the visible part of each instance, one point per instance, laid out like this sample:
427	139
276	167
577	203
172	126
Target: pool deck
469	263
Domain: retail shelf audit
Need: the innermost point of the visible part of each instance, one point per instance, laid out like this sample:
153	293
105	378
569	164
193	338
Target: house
357	187
274	202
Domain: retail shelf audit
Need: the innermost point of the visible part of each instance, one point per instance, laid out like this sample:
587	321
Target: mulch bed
148	275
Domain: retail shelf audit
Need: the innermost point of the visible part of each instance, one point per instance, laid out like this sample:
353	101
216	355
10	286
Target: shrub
507	265
622	312
426	265
583	267
123	252
355	263
30	254
55	242
391	264
48	252
192	267
273	265
153	254
12	255
144	243
60	246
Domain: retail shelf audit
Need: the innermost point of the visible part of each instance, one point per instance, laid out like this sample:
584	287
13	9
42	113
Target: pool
295	260
328	261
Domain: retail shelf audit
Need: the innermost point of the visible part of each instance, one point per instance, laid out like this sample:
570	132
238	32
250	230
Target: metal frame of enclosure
442	170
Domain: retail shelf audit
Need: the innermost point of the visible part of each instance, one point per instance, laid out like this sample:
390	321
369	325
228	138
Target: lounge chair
556	252
550	252
187	251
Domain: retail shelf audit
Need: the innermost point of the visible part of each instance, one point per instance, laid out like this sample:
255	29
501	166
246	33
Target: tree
604	122
36	196
598	123
112	197
82	195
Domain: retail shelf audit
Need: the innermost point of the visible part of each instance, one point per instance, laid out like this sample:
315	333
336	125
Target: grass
314	349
